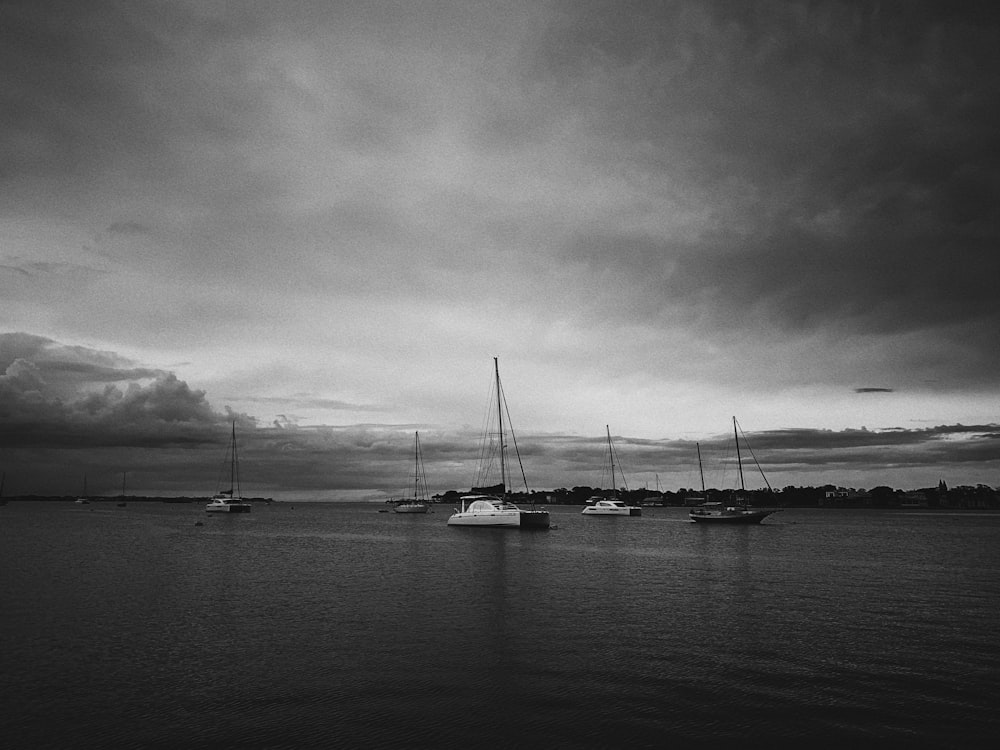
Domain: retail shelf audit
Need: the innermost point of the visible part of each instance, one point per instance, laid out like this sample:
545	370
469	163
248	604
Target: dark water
338	626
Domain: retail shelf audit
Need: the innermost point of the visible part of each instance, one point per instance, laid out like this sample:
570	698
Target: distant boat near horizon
740	511
418	503
83	499
602	506
230	500
490	510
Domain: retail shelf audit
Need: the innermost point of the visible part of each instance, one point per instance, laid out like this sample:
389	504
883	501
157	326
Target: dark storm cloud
58	362
56	395
847	154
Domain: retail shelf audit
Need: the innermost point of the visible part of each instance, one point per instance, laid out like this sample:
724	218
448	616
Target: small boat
495	509
601	506
84	499
418	503
738	512
230	501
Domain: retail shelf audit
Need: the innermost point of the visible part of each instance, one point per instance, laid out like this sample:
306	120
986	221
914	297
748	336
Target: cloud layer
170	440
328	214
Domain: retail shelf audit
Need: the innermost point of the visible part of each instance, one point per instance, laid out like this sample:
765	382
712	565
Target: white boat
490	510
230	501
495	509
602	506
83	499
418	503
739	511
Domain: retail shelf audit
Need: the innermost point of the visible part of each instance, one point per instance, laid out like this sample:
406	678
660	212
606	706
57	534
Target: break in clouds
67	411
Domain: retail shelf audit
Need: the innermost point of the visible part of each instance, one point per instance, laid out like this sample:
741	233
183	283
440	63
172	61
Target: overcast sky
328	217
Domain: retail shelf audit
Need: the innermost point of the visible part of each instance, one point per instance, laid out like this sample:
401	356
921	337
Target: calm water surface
321	625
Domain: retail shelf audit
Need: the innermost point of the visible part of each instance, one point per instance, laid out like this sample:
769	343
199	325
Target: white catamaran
231	500
602	506
493	508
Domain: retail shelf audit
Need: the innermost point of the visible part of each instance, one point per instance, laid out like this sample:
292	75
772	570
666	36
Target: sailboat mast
739	459
232	463
503	446
416	465
700	470
611	458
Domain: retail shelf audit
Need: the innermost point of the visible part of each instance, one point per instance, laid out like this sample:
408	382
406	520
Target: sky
323	220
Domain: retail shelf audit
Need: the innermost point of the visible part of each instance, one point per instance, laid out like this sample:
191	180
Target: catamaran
602	506
495	507
230	501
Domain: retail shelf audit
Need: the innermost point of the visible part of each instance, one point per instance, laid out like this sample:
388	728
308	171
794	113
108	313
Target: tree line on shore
979	496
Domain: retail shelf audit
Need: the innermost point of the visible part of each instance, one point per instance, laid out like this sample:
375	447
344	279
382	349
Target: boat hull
228	507
410	508
628	511
731	517
492	512
517	519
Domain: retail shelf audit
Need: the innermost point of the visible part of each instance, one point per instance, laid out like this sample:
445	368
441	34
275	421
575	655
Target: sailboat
121	503
602	506
230	501
493	508
83	499
740	511
697	499
418	504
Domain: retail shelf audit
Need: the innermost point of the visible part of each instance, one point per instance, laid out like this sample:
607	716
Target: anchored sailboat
495	508
602	506
418	504
84	499
740	511
230	501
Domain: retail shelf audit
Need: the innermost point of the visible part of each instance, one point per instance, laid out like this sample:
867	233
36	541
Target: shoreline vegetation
963	497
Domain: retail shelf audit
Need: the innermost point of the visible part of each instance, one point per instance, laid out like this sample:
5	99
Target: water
307	625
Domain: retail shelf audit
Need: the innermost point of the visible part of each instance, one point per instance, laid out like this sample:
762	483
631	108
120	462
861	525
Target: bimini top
485	504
